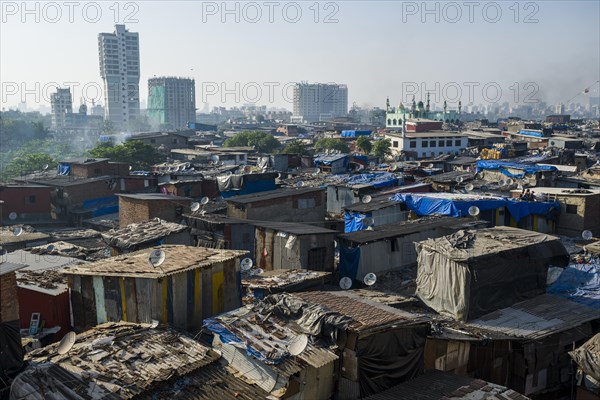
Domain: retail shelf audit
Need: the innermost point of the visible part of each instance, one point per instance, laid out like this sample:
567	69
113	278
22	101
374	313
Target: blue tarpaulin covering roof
424	205
328	159
377	179
531	133
579	283
228	337
503	165
64	169
355	133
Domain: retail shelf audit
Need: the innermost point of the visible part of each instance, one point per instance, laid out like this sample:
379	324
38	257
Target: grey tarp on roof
471	273
587	357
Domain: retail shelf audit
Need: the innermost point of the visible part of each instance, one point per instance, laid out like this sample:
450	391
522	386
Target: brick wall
25	200
286	209
90	170
89	190
136	210
9	304
132	211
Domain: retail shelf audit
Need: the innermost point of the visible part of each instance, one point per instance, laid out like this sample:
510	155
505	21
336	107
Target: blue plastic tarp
353	221
381	179
105	210
503	165
349	260
64	169
100	201
531	133
424	206
355	133
579	283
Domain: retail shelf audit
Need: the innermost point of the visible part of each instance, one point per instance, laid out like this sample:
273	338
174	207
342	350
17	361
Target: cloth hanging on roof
349	261
229	182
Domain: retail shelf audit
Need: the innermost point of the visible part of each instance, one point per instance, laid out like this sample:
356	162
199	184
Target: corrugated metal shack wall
182	300
339	197
242	238
309	242
183	238
284	257
389	215
264	248
318	383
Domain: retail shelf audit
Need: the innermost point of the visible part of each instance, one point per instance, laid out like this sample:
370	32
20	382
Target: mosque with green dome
395	116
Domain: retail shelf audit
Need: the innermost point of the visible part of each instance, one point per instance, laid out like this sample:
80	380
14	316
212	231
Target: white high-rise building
119	54
320	101
61	105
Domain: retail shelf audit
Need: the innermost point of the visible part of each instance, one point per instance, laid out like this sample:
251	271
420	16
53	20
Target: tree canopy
331	144
295	147
364	144
382	148
140	155
263	142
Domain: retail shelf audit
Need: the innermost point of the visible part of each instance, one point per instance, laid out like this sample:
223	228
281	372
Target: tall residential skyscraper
120	70
320	101
61	104
172	101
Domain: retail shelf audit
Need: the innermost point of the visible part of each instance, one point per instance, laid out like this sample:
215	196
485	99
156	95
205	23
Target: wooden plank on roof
131	299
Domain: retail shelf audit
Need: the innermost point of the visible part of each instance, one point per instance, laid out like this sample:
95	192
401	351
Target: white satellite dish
510	181
394	168
130	167
502	182
259	271
345	283
587	235
299	184
214	158
203	212
204	201
298	344
66	343
17	231
187	165
195	206
469	187
368	221
154	324
45	167
156	258
12	216
370	279
50	247
459	179
246	264
366	199
430	165
473	211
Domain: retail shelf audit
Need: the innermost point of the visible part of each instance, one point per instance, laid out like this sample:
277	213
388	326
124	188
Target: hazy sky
550	50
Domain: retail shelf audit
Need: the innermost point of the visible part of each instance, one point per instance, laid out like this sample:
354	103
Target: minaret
445	106
459	106
427	107
387	104
413	107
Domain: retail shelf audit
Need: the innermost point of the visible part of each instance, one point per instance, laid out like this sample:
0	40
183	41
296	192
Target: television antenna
345	283
370	279
66	343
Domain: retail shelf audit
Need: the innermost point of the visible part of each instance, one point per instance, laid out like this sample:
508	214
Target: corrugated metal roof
282	277
145	232
178	259
112	360
366	314
293	228
28	235
7	267
536	318
272	194
153	197
438	385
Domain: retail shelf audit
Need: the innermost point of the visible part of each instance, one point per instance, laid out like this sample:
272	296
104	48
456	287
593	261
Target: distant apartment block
319	101
172	101
61	105
119	54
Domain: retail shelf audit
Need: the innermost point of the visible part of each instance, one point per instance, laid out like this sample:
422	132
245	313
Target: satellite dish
366	199
12	216
130	167
372	165
17	231
469	187
214	158
370	279
203	212
195	206
187	165
246	264
50	247
259	271
368	221
473	211
510	181
502	182
459	179
299	184
66	343
394	168
204	200
345	283
298	344
154	324
587	235
157	257
45	167
430	165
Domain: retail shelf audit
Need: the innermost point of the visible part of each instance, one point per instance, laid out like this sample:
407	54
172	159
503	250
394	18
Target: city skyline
400	55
